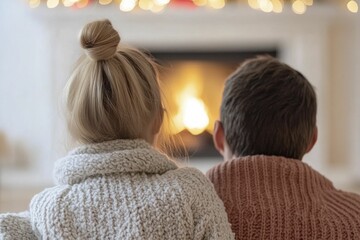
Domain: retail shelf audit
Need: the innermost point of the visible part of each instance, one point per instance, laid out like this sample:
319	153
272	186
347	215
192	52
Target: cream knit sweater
268	197
122	189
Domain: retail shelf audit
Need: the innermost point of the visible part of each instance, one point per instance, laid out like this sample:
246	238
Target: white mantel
323	44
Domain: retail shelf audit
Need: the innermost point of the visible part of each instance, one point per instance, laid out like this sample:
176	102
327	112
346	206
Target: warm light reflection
127	5
352	6
34	3
52	3
299	7
105	2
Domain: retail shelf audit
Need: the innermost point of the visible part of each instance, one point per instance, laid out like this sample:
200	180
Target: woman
116	185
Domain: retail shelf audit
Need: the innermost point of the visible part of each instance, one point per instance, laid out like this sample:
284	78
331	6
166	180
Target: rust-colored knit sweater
269	197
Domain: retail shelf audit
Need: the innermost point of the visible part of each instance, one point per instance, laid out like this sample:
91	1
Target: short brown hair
268	108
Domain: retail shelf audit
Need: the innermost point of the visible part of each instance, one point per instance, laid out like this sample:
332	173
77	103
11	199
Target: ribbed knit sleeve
47	208
268	197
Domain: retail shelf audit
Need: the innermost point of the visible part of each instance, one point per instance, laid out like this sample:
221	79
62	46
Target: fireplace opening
192	84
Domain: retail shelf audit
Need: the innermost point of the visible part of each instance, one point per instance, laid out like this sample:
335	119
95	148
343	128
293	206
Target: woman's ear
219	137
313	140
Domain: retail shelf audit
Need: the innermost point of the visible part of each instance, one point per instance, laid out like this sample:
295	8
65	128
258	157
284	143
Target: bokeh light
299	7
34	3
127	5
52	3
353	6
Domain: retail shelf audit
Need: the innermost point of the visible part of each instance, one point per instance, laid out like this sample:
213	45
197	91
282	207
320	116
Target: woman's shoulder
192	181
48	199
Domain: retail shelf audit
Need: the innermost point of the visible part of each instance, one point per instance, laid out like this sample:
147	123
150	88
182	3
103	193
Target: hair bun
100	40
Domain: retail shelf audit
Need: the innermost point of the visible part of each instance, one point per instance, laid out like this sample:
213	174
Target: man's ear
313	140
219	137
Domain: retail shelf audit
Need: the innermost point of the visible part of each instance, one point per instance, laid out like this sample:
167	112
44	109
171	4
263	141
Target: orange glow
82	3
192	91
192	113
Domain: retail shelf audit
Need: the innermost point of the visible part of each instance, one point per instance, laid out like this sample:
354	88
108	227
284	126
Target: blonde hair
113	93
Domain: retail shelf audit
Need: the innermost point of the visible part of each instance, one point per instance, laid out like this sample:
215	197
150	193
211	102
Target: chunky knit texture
125	189
277	198
16	226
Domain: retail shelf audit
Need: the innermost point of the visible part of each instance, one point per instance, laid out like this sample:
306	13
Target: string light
352	6
277	6
299	7
34	3
200	3
52	3
266	5
69	3
308	2
82	3
146	4
157	8
161	2
254	4
127	5
105	2
216	4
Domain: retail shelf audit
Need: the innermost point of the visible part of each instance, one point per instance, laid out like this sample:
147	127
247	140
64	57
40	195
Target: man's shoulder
220	169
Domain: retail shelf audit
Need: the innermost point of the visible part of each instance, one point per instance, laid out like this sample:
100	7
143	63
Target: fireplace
192	83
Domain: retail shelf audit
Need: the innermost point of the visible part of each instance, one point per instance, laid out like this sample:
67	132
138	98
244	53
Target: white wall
26	100
38	48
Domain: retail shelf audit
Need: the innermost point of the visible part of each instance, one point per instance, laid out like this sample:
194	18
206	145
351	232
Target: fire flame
192	114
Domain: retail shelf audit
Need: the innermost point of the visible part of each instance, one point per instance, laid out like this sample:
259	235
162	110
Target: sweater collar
261	171
117	156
